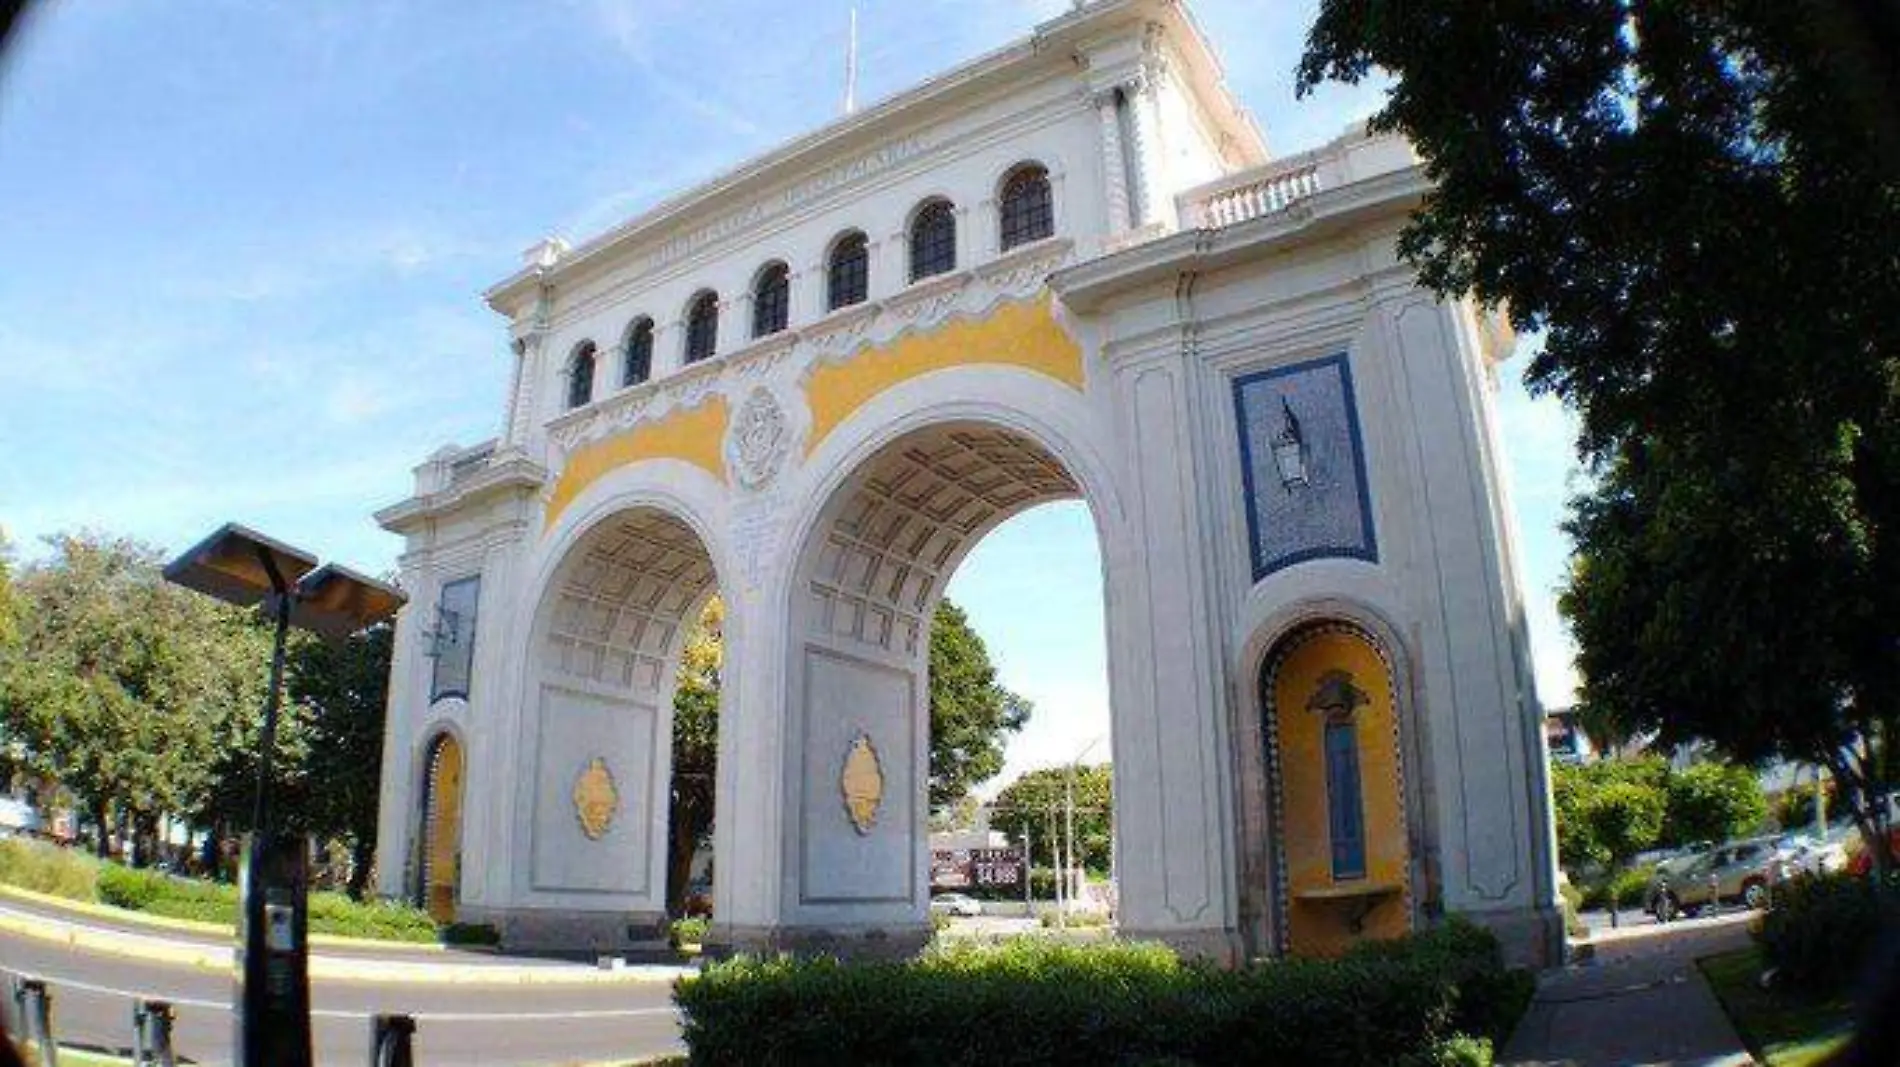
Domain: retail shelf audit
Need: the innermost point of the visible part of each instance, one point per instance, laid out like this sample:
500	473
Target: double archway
835	685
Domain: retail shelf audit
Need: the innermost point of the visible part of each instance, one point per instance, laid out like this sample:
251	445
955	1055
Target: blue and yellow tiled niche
1340	841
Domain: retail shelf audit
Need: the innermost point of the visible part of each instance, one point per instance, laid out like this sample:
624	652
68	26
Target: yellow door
442	849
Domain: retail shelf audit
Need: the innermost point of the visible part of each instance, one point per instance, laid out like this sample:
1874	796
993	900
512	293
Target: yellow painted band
693	435
1024	334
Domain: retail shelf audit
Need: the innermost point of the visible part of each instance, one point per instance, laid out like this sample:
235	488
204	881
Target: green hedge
1033	1001
1818	931
69	873
1631	887
49	869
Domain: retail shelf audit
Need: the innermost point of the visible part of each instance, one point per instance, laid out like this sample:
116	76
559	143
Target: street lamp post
243	567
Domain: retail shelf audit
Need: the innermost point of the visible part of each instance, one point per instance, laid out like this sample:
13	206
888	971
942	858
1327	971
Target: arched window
1027	211
702	326
933	240
771	300
848	272
580	375
639	354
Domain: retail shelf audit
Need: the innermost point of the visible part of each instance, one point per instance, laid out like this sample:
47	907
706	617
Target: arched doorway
598	758
867	580
1340	846
443	769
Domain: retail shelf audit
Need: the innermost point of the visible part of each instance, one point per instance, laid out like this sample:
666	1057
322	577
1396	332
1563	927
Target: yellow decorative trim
1023	334
694	435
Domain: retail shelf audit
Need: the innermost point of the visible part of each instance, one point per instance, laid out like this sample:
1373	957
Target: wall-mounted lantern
1289	450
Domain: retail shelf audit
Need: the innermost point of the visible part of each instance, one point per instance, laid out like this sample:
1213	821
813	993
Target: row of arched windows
1026	212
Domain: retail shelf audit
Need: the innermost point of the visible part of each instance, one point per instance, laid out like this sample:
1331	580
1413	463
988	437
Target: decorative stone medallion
862	783
596	799
760	439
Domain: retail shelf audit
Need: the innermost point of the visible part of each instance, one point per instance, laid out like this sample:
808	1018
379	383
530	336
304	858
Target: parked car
1735	872
956	904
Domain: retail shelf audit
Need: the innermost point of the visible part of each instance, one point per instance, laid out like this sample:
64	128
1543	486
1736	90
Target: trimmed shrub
1035	1001
46	868
1631	887
688	931
1818	931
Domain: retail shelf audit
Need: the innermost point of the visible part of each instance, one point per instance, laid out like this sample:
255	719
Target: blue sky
244	243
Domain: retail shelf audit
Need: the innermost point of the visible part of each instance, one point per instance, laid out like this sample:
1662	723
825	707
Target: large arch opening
614	626
873	569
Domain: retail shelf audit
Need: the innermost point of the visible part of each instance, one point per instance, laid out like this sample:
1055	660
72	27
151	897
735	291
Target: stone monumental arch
1068	269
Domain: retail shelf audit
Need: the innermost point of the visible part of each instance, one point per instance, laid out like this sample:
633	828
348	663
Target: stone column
1114	160
1140	94
1174	835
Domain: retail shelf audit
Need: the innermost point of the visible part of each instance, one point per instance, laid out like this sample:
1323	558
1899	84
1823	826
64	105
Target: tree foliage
1713	802
1035	806
339	694
123	680
695	749
1698	207
971	713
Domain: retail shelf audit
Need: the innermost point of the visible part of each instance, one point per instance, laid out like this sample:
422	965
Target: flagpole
851	65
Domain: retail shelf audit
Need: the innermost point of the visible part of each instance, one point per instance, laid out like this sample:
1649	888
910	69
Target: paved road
462	1024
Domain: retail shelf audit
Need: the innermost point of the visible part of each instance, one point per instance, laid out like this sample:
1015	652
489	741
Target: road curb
335	968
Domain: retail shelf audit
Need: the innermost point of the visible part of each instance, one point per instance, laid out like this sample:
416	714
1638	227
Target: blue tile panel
1332	514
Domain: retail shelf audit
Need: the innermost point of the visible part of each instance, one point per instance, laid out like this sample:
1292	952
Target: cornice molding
507	473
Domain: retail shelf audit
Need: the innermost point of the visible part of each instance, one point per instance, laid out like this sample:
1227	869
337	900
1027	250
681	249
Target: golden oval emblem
596	800
862	783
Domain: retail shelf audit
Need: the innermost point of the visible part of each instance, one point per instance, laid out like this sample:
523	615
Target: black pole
273	1020
267	744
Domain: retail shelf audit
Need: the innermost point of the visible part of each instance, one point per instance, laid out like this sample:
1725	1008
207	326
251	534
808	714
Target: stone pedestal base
873	943
1532	937
571	933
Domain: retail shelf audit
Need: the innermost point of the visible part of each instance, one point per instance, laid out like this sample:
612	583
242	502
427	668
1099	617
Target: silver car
1737	872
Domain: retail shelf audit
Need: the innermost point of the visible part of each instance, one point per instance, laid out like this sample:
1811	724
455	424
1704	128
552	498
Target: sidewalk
1640	1001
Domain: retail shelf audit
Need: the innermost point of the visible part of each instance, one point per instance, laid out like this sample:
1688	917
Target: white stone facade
827	479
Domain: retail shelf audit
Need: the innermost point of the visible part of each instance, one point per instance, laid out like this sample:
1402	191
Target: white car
1806	855
956	904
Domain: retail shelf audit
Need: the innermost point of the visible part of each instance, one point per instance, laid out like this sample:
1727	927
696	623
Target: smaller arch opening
848	271
1026	209
933	239
580	375
702	326
638	357
439	846
771	299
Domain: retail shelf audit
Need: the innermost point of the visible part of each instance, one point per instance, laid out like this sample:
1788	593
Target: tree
1576	791
121	681
970	712
695	750
1034	806
1713	802
341	692
1697	206
1623	818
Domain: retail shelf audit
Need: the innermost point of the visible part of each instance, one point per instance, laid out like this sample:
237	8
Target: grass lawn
1782	1028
